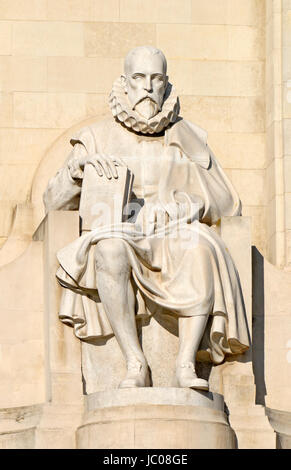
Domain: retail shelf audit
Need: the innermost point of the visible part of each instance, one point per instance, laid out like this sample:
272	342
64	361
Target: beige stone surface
233	12
247	419
274	105
274	141
62	351
42	426
236	233
48	110
230	115
22	358
23	73
286	24
262	436
23	10
277	336
274	66
210	42
97	103
287	136
276	248
83	10
6	106
18	427
48	39
36	141
286	69
19	233
276	219
178	69
231	78
239	150
286	28
288	211
272	6
90	75
273	32
167	11
114	40
7	217
287	99
258	216
288	243
21	175
56	429
275	175
250	185
5	38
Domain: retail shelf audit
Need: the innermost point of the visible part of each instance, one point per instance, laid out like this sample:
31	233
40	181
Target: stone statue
168	256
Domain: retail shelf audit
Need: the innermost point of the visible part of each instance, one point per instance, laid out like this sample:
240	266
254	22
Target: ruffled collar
120	108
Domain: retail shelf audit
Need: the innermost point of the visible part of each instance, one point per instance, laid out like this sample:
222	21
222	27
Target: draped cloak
184	271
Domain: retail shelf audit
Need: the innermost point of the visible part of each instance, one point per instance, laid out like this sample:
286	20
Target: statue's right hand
103	164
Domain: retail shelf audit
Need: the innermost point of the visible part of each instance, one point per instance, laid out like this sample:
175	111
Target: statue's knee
111	255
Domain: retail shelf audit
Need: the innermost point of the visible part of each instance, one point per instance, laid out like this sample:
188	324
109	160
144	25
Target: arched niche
27	216
54	159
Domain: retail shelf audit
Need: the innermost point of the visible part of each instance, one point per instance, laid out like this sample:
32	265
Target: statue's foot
186	377
137	376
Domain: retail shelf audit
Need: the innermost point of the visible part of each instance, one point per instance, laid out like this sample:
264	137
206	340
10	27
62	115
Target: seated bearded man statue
114	274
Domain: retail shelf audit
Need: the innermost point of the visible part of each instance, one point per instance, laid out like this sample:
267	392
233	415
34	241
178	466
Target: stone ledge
154	396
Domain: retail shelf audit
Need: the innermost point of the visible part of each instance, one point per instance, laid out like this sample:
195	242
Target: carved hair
149	50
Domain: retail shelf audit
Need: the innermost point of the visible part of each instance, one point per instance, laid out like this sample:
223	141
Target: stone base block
18	426
155	418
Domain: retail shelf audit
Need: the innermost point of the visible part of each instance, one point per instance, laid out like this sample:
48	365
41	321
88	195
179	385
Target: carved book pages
103	201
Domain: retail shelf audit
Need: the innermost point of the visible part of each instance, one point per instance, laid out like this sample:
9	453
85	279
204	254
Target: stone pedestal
155	418
281	423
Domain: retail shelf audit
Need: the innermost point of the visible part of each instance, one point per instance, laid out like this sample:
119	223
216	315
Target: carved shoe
186	377
137	375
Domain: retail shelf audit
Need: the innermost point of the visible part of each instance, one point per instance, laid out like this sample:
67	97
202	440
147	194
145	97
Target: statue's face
145	83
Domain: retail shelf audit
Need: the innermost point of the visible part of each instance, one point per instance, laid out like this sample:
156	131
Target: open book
103	201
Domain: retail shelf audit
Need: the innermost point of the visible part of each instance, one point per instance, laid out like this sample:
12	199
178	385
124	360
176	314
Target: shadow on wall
258	333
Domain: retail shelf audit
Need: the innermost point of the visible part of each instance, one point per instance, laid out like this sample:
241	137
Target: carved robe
185	272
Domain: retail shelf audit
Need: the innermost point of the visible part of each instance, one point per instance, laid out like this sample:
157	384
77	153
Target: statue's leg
191	330
113	275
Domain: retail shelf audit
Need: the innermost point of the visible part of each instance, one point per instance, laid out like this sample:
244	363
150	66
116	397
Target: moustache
146	96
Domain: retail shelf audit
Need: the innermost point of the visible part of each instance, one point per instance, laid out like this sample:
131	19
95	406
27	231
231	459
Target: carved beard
147	108
131	118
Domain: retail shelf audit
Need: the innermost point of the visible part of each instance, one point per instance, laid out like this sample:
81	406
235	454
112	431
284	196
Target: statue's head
141	98
145	80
